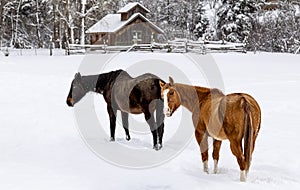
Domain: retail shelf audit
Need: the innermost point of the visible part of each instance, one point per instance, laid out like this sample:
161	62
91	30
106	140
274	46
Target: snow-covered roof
109	23
130	6
112	23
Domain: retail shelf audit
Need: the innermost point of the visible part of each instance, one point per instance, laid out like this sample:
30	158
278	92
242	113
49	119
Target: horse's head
77	90
170	96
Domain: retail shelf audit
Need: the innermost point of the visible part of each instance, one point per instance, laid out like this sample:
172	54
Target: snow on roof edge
130	6
122	24
147	20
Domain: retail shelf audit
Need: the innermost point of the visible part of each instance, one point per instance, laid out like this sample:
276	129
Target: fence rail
176	46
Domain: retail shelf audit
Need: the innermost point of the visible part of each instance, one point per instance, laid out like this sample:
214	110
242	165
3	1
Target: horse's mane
204	91
214	91
108	78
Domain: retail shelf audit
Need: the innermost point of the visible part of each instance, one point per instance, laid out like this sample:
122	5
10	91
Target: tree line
44	23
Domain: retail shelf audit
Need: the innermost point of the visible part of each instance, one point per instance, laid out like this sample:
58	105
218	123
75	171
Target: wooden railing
176	46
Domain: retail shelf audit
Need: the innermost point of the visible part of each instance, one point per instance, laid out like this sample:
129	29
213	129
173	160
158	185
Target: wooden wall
125	35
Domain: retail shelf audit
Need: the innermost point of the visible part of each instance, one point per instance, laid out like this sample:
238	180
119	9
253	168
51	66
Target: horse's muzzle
70	102
168	112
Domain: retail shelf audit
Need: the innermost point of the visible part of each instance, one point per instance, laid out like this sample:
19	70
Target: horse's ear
171	81
78	76
161	84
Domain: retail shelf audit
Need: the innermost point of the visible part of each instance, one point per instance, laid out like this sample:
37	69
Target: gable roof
109	23
130	6
112	23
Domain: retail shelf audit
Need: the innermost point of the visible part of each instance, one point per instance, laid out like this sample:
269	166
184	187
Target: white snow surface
41	147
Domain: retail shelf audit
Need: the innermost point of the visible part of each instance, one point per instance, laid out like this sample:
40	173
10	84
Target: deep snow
41	146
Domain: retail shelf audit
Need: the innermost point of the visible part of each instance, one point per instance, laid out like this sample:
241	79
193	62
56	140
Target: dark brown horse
234	117
127	94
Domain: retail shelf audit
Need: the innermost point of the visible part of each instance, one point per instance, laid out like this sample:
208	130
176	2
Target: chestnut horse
234	117
127	94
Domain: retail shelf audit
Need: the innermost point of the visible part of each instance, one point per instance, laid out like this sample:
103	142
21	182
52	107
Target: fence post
6	53
35	50
51	48
245	44
67	48
203	49
105	47
169	47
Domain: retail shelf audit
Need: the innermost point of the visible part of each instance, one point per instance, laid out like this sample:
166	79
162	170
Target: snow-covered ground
41	146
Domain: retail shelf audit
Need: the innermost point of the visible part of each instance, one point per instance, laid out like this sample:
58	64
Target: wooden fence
176	46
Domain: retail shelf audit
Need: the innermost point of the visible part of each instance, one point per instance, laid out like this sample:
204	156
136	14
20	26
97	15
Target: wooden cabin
127	27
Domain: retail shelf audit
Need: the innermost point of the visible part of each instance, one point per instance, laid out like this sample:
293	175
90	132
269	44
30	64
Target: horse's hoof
215	166
205	167
243	177
128	138
157	147
112	139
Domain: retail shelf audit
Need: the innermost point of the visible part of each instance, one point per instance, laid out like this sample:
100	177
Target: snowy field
41	146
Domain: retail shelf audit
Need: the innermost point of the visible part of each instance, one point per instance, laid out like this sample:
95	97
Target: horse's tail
248	133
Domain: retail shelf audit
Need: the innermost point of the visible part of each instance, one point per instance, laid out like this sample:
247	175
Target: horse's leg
160	116
254	140
236	148
125	124
151	122
112	119
215	154
201	138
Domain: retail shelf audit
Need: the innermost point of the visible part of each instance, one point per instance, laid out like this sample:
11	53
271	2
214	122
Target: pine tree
276	30
177	17
235	19
199	22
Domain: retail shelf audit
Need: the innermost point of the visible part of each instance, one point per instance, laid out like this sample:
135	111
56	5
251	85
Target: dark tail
248	134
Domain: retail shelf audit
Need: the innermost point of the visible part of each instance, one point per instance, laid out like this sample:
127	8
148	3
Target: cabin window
136	36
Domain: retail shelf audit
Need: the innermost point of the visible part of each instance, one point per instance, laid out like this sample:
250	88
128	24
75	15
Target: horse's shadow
134	143
267	174
264	175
